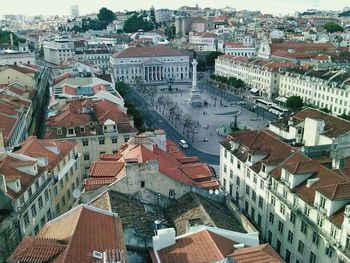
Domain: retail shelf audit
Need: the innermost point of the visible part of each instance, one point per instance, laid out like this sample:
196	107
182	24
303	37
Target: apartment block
261	75
294	190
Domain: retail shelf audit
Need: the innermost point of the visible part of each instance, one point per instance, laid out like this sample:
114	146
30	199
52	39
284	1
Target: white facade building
238	49
323	88
297	197
262	75
203	41
150	64
59	50
163	15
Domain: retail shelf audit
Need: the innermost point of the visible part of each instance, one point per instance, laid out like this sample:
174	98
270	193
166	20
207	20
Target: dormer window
263	168
322	202
59	131
82	129
70	131
250	158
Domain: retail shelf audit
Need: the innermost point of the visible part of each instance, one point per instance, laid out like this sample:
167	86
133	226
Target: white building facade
259	74
299	204
330	90
59	50
203	41
150	64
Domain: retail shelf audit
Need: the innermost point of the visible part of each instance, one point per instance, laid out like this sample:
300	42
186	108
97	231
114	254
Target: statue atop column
194	99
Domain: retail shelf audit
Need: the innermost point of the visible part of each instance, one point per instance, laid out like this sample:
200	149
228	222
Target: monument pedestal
194	99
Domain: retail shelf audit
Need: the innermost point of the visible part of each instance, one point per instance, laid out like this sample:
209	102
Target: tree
136	22
333	27
186	121
210	58
295	103
344	116
193	128
326	110
106	15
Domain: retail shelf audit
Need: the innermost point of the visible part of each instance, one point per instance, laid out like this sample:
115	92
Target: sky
62	7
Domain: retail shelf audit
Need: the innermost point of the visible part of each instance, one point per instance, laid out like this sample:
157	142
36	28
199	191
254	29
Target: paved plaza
215	116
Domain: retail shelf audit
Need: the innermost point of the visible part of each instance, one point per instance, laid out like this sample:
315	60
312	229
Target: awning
281	99
254	90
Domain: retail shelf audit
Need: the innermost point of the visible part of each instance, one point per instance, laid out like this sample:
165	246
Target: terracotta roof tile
257	254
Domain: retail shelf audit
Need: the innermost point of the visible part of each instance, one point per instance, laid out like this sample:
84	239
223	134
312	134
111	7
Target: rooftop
157	51
68	238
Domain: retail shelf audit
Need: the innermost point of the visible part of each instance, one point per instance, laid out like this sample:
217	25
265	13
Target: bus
277	110
263	104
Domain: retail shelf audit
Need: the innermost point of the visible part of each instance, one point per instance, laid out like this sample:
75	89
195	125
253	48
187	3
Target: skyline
48	8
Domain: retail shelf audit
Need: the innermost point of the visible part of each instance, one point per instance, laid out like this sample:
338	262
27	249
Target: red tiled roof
34	249
258	254
302	47
62	77
24	69
106	168
204	246
83	229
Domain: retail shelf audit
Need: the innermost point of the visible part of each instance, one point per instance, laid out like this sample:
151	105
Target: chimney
11	39
164	238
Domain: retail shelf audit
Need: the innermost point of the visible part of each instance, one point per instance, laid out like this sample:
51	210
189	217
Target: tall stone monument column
194	99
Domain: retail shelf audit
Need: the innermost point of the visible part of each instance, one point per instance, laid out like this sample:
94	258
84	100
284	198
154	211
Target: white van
183	144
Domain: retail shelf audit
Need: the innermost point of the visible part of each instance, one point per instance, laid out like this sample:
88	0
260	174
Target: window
70	131
85	142
26	219
347	242
225	168
225	184
278	246
271	218
142	184
48	214
319	221
57	208
225	153
86	156
280	227
43	221
306	210
262	184
301	247
59	131
21	200
261	202
255	179
263	168
252	214
61	183
36	229
101	141
292	218
290	236
282	208
114	140
36	184
259	220
238	181
315	238
63	201
250	158
273	200
247	190
323	202
238	165
82	129
285	193
254	196
329	251
33	209
40	202
231	158
303	227
312	258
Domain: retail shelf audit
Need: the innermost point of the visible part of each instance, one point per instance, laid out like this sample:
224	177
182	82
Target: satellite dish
216	192
76	193
211	191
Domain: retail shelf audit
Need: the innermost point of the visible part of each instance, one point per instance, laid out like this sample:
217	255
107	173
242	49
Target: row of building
292	182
